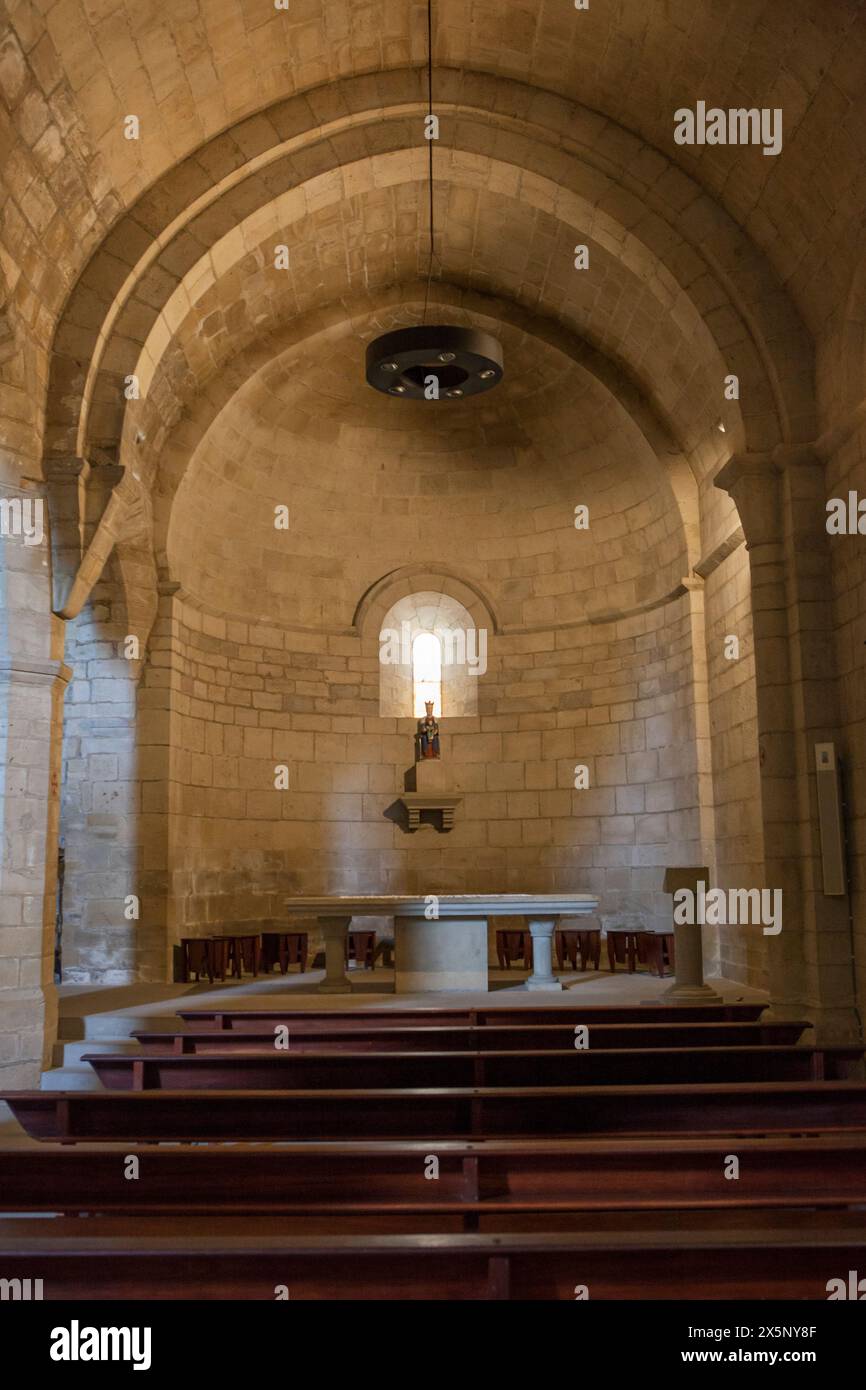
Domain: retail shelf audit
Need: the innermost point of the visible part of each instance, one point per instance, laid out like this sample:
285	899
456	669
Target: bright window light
427	673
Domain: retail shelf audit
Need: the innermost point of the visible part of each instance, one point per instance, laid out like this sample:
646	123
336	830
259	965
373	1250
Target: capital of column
753	482
336	925
65	468
693	583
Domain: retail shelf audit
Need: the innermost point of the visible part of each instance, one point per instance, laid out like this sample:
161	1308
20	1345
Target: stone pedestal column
334	931
689	986
542	976
435	955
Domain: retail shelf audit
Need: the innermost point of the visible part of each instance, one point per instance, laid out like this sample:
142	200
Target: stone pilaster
694	586
780	502
32	684
31	721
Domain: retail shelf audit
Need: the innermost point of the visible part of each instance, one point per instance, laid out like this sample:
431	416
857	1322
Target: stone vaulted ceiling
193	68
154	256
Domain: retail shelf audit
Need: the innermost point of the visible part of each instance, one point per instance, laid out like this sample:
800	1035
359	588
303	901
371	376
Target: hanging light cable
429	150
437	361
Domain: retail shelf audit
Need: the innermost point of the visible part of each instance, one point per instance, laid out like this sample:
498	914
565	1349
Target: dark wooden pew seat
440	1113
299	1070
493	1037
479	1017
480	1180
709	1256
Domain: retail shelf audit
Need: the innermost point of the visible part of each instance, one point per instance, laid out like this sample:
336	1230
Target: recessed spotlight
458	392
485	376
721	427
398	390
390	367
447	356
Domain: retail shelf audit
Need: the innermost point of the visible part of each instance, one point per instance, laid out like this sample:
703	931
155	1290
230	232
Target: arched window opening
430	648
427	673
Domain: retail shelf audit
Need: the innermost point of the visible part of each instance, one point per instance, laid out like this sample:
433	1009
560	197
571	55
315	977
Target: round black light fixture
434	362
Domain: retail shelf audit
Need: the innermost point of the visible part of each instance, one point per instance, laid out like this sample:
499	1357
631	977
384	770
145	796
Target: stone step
80	1078
69	1054
108	1026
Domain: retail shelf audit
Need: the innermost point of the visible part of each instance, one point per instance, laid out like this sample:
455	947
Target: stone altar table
441	942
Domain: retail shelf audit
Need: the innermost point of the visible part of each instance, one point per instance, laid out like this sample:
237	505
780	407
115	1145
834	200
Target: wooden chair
626	945
590	947
196	957
361	946
567	946
384	953
585	940
659	950
218	948
287	947
512	943
243	952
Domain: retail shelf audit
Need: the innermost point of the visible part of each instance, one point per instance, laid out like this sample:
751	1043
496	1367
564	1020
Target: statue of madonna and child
427	735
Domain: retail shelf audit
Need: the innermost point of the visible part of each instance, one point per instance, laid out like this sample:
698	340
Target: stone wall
247	699
266	655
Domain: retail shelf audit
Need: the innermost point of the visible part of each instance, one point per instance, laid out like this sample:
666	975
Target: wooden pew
525	1017
494	1037
778	1256
153	1116
475	1180
298	1070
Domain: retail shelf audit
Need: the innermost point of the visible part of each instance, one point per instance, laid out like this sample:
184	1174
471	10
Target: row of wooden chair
236	953
655	949
512	943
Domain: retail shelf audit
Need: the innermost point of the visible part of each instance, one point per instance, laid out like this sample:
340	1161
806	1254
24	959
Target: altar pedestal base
334	931
434	956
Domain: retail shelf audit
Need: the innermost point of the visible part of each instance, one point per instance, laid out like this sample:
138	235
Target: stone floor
371	989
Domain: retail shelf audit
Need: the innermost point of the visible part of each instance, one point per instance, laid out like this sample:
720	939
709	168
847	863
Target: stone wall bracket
429	792
442	807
